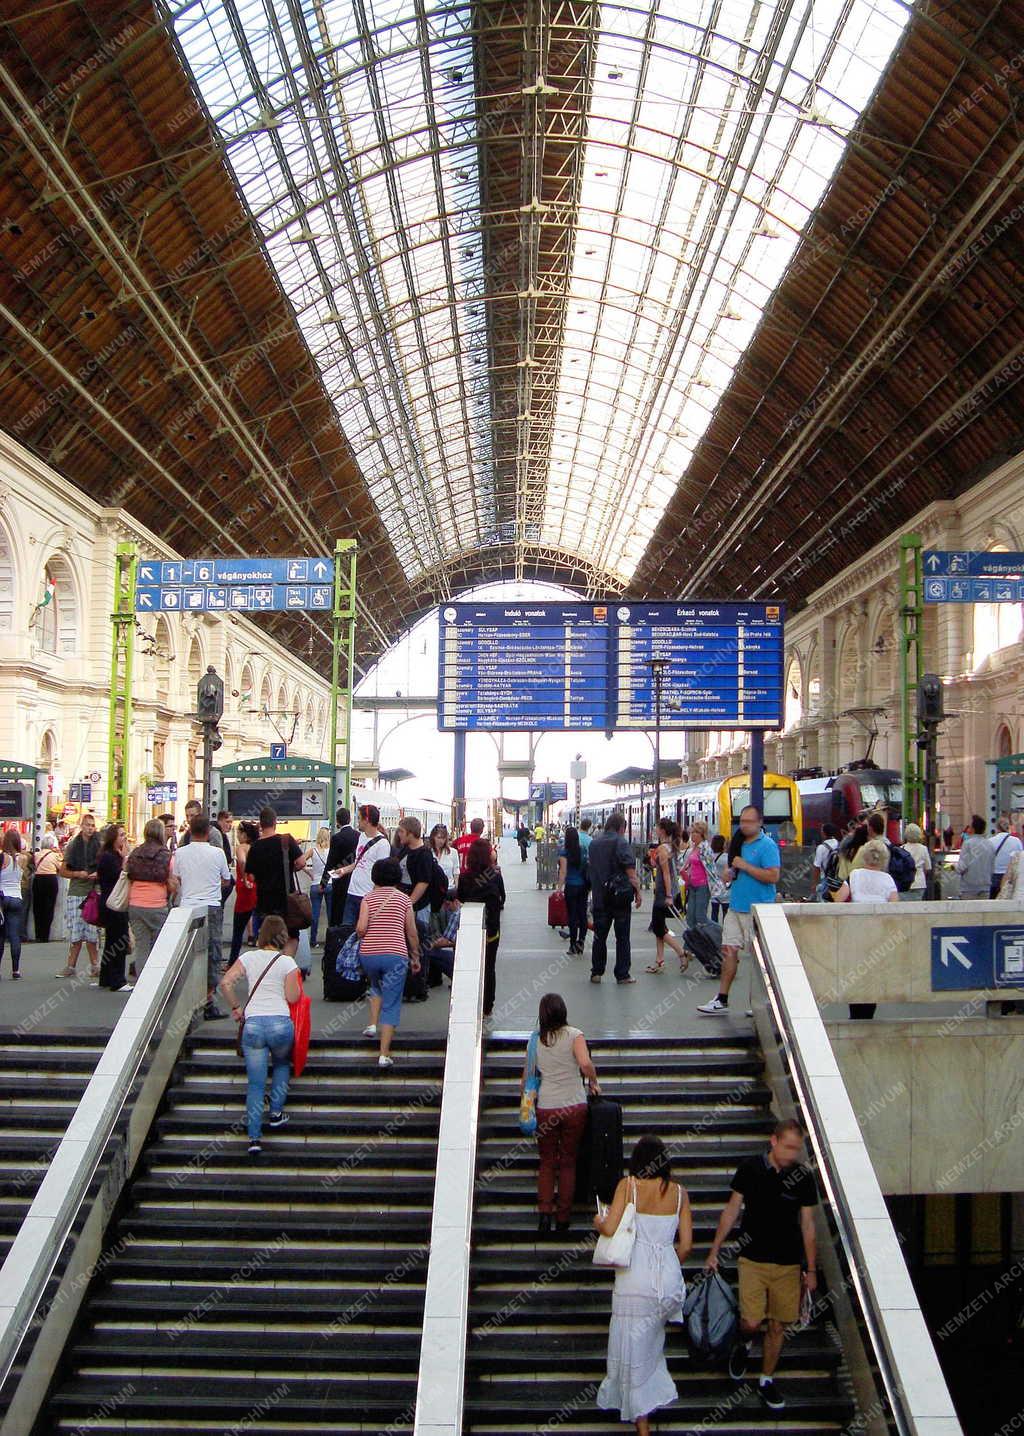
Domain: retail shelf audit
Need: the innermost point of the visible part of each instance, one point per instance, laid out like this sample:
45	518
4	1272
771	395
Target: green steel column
911	668
122	653
344	617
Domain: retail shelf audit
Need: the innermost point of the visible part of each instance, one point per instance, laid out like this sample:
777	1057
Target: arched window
996	625
1004	742
282	700
6	583
48	752
266	695
794	708
195	667
246	690
56	618
849	674
309	718
162	662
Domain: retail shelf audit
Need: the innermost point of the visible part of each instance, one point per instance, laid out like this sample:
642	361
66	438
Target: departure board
523	666
723	665
573	666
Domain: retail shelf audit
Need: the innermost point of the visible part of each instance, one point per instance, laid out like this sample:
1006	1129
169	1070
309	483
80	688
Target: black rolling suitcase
336	987
599	1165
705	944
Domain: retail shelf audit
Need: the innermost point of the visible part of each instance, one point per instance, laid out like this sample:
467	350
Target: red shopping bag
300	1020
558	913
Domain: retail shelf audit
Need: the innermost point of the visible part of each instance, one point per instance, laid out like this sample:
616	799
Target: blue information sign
278	751
972	576
257	585
969	957
523	666
533	666
723	665
549	792
162	793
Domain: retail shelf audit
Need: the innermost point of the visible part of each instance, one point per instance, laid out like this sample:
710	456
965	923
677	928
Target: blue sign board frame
972	576
586	666
969	957
243	585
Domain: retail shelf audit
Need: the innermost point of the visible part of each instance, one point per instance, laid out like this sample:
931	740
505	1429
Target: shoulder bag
118	899
528	1101
298	911
252	994
91	908
617	1250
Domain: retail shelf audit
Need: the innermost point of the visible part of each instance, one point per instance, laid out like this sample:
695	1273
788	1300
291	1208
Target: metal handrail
41	1238
914	1385
442	1369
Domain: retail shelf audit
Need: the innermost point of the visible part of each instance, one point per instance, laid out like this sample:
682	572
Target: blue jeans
697	906
351	914
14	918
316	897
266	1040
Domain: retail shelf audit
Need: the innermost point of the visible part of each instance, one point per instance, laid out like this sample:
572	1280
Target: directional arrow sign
949	947
933	562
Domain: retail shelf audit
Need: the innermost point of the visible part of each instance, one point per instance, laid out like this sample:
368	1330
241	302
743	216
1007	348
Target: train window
778	806
872	794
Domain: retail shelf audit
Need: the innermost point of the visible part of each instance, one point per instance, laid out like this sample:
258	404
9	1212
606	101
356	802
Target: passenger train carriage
718	802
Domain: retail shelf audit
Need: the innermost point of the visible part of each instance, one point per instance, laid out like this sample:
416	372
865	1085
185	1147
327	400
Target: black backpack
902	868
437	890
831	869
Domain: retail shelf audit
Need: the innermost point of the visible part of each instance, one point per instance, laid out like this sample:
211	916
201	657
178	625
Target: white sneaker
383	1061
128	987
713	1008
370	1030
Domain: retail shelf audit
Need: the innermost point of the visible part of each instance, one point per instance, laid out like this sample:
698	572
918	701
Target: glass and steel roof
374	146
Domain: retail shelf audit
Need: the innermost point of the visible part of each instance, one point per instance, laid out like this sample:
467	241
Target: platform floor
532	960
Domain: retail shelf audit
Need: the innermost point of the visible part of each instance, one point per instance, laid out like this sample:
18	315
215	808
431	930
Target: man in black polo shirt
777	1196
275	857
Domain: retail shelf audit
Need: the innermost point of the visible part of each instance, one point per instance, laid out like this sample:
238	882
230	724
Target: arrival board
574	666
523	666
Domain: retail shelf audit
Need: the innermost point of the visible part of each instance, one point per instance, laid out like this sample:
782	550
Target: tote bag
617	1250
300	1016
528	1101
118	899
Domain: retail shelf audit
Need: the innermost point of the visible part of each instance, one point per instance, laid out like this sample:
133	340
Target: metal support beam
343	669
911	668
459	782
122	652
757	768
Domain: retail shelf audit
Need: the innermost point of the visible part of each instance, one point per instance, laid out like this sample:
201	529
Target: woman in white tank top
12	865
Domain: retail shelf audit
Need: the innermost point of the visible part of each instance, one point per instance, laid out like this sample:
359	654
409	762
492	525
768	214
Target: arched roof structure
652	298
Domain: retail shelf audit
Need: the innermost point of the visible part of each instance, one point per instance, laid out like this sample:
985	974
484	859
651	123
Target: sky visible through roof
713	130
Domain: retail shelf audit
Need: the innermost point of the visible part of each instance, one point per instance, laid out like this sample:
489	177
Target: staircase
276	1294
539	1309
42	1079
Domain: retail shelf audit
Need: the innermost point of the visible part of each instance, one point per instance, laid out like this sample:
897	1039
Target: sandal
655	966
67	972
684	965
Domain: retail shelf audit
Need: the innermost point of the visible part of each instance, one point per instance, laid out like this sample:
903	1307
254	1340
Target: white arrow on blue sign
268	584
977	957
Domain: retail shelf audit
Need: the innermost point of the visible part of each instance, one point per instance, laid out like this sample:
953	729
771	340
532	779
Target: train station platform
532	960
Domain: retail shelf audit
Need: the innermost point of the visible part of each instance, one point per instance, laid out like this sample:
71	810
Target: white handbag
617	1250
118	899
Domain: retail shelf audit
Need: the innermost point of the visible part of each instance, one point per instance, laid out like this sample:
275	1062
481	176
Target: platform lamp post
209	711
930	714
658	666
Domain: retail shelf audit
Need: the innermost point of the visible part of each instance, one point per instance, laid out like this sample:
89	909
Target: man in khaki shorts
777	1195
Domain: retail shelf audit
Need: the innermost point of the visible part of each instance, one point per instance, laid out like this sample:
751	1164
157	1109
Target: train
839	797
718	802
393	808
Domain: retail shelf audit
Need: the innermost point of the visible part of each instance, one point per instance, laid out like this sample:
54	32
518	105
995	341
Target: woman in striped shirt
388	943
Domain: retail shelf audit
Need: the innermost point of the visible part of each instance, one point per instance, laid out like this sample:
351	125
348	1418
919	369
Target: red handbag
300	1015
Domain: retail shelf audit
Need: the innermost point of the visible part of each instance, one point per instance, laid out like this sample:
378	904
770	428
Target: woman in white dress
650	1292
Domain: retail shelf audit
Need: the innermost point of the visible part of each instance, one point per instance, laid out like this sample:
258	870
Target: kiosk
23	796
300	790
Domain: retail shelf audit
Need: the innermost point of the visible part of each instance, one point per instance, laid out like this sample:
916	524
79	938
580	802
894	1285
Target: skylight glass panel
331	146
714	189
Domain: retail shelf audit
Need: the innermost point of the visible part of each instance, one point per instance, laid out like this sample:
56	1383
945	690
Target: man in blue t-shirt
751	874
